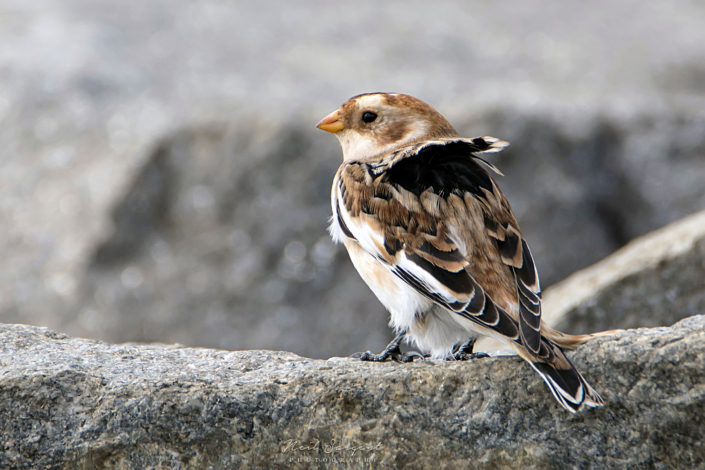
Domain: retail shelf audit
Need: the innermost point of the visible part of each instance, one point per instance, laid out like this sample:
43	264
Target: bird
430	232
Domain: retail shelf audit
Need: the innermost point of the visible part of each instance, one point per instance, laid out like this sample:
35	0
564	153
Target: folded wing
409	209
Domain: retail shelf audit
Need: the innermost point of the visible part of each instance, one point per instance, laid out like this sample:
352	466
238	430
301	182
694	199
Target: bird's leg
464	352
391	351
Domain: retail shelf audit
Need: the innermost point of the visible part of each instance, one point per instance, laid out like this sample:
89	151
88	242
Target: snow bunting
432	235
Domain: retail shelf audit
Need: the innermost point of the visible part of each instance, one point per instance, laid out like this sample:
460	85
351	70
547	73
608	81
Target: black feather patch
507	326
530	318
453	255
529	298
446	168
392	247
568	380
477	304
508	246
480	142
530	325
459	282
344	227
490	315
458	307
527	273
491	225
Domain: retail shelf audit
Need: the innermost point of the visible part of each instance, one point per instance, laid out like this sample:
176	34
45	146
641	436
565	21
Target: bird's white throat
357	146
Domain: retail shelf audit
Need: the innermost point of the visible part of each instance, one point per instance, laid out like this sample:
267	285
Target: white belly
431	328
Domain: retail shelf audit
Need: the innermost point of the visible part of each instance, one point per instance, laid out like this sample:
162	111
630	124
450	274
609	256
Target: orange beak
332	123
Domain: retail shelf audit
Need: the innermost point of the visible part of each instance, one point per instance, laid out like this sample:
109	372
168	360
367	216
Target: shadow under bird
432	235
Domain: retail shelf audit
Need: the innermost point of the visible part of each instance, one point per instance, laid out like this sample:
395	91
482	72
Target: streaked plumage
431	233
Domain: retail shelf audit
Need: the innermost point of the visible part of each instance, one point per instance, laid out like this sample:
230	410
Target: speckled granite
75	403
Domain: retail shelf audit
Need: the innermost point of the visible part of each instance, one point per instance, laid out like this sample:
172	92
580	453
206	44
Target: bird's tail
567	341
567	385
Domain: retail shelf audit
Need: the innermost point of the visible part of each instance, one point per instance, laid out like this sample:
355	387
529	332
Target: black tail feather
567	385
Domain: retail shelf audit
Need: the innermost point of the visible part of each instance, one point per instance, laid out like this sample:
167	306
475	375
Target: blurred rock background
161	178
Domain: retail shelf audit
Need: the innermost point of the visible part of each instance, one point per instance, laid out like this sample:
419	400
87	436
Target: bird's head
375	123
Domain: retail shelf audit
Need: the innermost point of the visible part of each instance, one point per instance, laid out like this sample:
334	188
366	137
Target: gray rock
75	403
222	239
655	280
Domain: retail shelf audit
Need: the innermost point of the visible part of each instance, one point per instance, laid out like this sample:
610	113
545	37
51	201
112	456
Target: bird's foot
464	352
461	356
393	354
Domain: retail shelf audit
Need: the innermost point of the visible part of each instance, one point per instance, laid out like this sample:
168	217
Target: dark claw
462	356
464	352
411	355
369	357
394	354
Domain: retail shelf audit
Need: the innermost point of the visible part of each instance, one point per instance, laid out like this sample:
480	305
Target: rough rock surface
655	280
75	403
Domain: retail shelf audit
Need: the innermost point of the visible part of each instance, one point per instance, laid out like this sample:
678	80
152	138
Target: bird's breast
404	303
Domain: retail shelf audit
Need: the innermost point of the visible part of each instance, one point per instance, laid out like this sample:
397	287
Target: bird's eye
368	117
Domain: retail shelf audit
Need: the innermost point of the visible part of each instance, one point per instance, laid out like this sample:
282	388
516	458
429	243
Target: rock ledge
75	403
